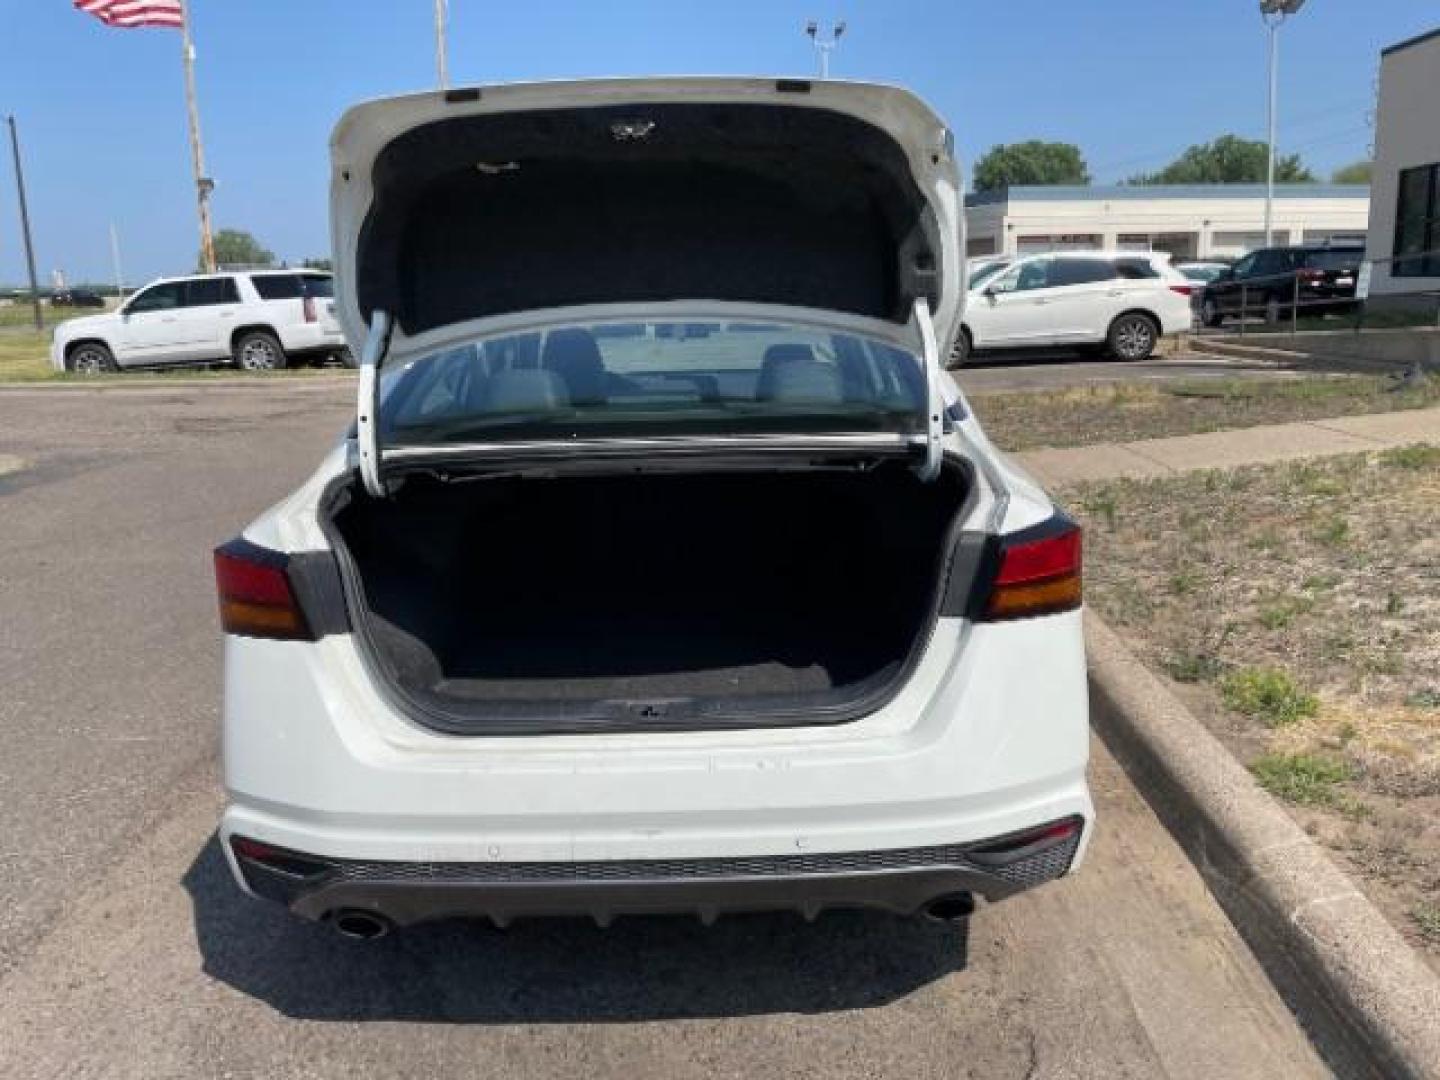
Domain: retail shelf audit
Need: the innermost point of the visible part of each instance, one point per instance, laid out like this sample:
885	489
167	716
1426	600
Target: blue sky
1132	81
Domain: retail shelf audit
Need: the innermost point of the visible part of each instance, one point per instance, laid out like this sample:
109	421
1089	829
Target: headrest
525	389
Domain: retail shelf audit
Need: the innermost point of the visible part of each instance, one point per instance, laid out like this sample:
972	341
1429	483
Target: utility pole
115	262
442	67
204	185
824	46
25	227
1273	12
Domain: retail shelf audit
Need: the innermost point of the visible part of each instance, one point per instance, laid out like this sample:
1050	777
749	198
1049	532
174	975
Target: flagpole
442	66
203	184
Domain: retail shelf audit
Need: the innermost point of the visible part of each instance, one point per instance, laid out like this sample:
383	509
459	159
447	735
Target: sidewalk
1228	449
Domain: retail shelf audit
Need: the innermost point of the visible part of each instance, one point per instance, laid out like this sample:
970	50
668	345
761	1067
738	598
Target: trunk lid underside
466	206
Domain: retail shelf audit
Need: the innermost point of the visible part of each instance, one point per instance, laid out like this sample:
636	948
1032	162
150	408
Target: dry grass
24	356
1124	412
1298	606
22	315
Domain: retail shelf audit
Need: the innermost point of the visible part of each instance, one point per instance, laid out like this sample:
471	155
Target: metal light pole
825	46
1273	12
115	263
442	65
25	227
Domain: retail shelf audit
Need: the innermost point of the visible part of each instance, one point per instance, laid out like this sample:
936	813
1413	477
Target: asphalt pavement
125	951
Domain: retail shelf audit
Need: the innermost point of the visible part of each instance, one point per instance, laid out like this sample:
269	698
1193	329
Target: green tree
1033	162
1228	160
236	247
1357	172
318	264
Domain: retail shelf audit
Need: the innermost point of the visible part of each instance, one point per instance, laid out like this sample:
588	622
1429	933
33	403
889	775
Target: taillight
1039	572
1310	275
256	597
309	306
1183	290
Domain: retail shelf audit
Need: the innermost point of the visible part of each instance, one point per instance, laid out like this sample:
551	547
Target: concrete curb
1363	994
1297	357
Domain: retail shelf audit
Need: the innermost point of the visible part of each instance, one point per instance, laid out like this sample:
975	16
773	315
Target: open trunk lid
454	213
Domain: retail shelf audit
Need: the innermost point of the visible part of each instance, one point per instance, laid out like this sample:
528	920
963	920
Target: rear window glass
650	378
318	285
1135	269
277	286
1332	260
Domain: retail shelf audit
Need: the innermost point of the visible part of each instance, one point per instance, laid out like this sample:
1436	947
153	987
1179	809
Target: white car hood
459	211
86	324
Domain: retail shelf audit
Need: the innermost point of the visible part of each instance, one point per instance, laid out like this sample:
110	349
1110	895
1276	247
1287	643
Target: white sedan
664	568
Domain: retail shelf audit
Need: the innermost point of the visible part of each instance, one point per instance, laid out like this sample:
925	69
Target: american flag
131	13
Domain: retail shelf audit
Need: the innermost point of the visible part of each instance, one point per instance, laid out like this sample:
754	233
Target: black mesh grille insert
1030	870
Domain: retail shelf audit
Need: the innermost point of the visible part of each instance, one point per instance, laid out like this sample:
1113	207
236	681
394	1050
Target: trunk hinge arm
924	328
367	407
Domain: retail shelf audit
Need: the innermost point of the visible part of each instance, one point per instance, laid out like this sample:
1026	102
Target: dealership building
1188	220
1405	221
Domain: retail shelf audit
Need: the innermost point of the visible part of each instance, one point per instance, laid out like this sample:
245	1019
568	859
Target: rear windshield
1331	260
655	378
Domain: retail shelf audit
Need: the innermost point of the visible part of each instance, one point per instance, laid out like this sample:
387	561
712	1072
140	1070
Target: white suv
664	568
257	320
1125	301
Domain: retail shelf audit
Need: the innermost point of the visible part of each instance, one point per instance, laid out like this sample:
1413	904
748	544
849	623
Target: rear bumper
312	337
902	881
976	746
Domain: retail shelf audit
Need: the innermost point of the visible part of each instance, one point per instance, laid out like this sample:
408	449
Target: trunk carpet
650	587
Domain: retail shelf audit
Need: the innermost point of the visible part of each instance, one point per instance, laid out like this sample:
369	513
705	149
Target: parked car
581	623
1122	300
1270	281
77	298
258	321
